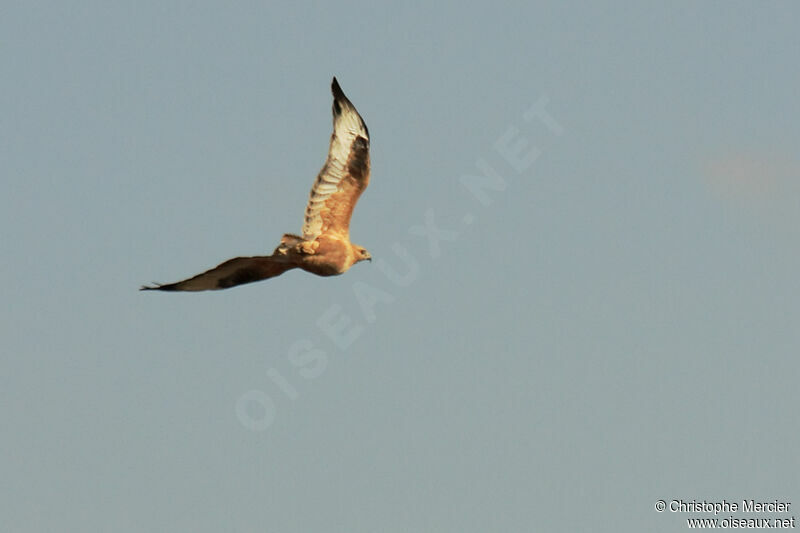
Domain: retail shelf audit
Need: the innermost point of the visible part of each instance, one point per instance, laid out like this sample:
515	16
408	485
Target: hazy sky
584	218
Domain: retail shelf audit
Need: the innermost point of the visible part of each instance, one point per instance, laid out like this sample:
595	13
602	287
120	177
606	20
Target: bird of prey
324	248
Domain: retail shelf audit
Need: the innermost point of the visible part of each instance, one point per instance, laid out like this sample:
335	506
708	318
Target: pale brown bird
325	248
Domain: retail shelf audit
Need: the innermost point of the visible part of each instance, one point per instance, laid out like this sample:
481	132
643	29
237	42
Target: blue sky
608	321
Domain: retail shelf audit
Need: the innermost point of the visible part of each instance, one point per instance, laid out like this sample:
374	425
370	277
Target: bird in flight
324	248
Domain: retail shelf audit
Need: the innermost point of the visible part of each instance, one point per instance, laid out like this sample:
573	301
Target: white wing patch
347	127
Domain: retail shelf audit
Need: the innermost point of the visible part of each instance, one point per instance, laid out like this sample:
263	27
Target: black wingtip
159	287
337	90
340	102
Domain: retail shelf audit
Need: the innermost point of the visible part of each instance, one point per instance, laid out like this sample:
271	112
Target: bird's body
324	248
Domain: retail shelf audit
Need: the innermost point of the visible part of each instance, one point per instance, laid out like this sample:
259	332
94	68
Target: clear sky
584	297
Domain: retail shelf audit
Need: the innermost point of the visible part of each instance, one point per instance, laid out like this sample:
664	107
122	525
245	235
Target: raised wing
232	272
344	176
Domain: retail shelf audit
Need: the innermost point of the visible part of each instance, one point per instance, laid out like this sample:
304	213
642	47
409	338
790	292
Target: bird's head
362	254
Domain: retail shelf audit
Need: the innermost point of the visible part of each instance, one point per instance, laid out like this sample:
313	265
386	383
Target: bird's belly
322	269
323	264
331	257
